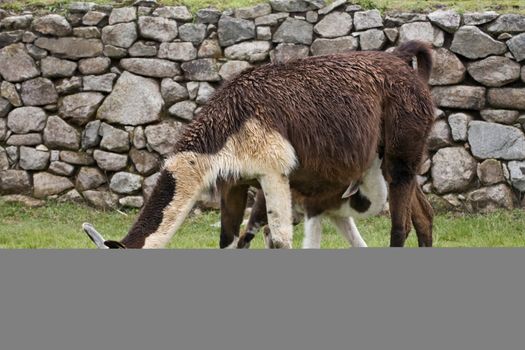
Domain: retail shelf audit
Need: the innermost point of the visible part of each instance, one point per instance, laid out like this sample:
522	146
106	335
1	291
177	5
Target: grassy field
515	6
59	226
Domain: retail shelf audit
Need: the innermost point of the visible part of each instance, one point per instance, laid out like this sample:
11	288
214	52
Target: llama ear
351	190
114	245
94	236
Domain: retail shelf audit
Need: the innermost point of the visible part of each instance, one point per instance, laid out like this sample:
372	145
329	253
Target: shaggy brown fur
336	111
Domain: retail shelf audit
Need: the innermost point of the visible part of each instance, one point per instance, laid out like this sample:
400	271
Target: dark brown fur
336	111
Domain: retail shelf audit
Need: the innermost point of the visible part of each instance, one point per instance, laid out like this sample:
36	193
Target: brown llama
304	125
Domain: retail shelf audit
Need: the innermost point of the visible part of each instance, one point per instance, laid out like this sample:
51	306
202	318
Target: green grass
59	226
502	6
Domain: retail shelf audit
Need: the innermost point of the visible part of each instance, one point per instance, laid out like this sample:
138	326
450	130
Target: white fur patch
312	232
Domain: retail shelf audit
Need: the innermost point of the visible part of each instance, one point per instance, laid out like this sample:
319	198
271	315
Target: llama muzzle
99	241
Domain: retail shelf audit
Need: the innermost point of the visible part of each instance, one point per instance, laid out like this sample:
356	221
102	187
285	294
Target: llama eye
192	162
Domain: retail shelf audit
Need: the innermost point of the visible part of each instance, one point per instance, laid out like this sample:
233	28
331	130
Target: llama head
99	241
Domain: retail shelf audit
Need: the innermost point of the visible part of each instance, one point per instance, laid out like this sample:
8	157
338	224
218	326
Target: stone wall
93	100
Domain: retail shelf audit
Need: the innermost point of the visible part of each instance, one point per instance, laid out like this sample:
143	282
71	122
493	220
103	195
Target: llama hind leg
422	218
276	189
258	219
233	204
346	226
312	232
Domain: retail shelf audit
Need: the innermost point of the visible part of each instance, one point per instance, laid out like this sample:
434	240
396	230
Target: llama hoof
279	244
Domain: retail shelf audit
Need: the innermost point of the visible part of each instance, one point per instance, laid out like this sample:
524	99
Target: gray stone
151	67
79	108
204	69
517	47
208	15
422	31
71	47
334	25
16	22
478	18
4	161
23	200
121	35
367	19
135	100
143	49
87	32
122	14
504	36
81	7
113	139
471	42
292	5
294	31
272	19
16	65
145	162
115	52
8	91
96	65
178	51
14	181
131	201
490	140
89	178
72	196
125	183
448	20
399	18
5	107
110	161
61	168
502	116
459	125
45	184
36	52
26	119
333	46
508	23
447	69
252	51
205	92
93	18
193	32
460	96
149	184
234	30
264	33
312	16
373	39
179	13
69	86
29	37
59	134
53	67
510	98
329	8
440	135
102	83
52	24
517	174
158	28
453	170
193	89
253	11
231	69
139	139
172	91
183	110
76	158
8	38
90	135
12	154
489	199
33	159
287	52
38	92
494	71
163	137
25	140
210	48
490	172
101	199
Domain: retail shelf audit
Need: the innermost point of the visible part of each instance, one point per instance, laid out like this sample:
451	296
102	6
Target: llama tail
422	51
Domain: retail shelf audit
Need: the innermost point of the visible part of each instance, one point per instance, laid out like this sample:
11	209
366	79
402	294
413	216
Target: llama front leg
312	232
346	226
276	189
